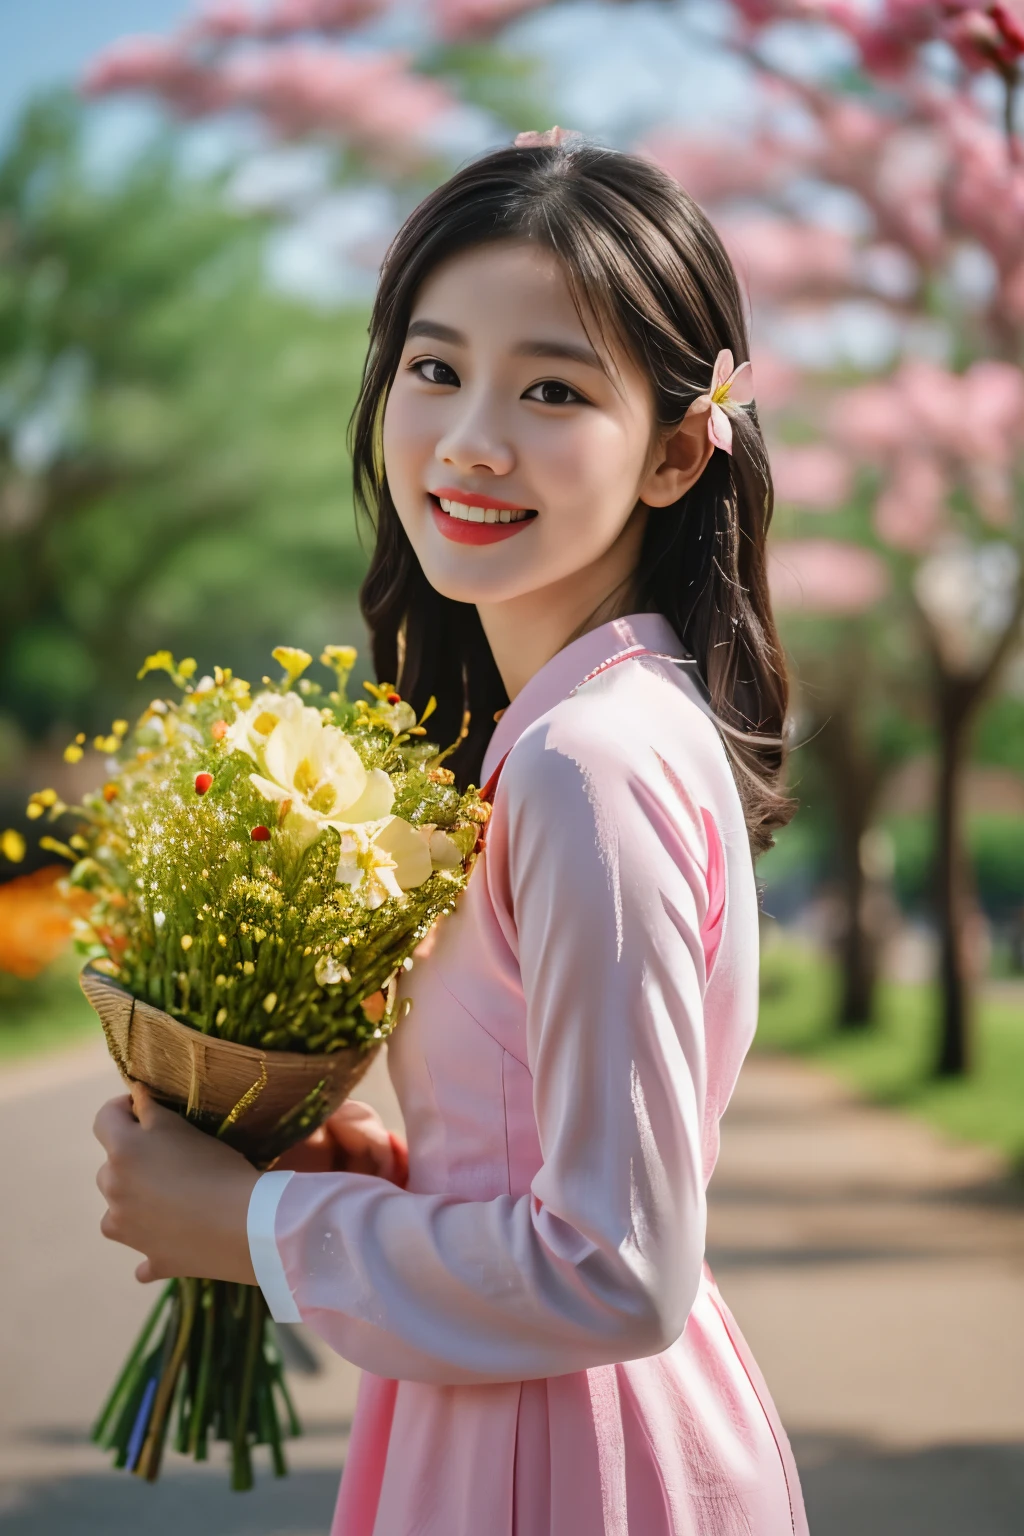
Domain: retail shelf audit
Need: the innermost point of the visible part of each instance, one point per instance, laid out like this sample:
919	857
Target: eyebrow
574	352
437	332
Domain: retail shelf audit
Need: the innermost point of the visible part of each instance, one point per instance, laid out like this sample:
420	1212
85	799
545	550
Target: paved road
876	1270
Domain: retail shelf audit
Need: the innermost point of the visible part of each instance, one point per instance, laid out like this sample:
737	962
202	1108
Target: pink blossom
1011	31
714	168
284	16
223	20
813	475
994	408
550	138
777	381
867	419
911	510
825	576
931	401
975	37
457	19
780	257
158	65
729	388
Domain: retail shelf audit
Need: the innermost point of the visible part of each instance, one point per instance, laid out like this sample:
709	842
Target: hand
173	1193
353	1140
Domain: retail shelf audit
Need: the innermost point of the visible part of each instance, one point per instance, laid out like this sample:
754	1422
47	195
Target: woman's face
517	447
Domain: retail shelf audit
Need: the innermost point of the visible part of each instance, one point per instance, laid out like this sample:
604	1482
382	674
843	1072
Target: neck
525	632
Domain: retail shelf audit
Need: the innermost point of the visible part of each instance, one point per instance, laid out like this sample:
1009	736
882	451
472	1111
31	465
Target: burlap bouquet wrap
260	1102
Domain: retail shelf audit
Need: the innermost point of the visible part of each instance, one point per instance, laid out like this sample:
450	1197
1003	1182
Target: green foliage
999	735
892	1061
45	1013
173	465
996	847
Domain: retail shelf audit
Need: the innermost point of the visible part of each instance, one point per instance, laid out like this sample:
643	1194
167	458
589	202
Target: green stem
241	1467
152	1450
127	1376
199	1420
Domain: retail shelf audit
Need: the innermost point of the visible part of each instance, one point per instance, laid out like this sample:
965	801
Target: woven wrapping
260	1102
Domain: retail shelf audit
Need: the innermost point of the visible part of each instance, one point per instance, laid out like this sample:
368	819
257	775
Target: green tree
173	467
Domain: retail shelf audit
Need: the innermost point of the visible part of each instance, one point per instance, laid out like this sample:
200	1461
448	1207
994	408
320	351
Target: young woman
571	502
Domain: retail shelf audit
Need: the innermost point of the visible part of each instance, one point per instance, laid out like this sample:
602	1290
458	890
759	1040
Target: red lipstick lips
462	516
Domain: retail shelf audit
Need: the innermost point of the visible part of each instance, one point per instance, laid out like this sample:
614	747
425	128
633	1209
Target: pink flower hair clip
551	138
730	387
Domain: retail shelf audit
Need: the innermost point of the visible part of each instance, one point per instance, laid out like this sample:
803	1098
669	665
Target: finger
147	1272
112	1120
146	1108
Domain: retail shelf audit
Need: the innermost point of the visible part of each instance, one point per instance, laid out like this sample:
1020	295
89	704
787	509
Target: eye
432	371
553	392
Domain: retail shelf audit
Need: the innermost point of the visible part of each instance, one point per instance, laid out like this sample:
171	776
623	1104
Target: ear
680	459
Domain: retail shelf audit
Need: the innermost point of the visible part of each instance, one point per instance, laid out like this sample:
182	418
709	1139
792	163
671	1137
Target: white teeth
468	514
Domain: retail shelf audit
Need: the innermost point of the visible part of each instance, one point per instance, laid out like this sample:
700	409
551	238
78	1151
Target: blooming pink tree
917	135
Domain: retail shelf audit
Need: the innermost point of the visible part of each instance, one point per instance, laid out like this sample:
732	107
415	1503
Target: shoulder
634	745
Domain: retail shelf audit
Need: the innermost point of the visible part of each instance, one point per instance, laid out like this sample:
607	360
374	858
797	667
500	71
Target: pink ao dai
545	1350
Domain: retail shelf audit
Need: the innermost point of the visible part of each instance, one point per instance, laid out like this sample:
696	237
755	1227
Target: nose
475	439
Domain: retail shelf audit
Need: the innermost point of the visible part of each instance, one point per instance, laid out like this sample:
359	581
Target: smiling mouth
480	521
475	512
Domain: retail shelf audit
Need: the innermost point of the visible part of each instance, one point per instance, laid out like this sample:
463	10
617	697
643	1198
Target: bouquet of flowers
260	871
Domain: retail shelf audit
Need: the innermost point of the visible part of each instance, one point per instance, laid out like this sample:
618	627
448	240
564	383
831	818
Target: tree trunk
854	779
858	954
952	895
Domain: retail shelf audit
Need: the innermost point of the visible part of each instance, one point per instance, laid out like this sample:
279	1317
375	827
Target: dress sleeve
601	1261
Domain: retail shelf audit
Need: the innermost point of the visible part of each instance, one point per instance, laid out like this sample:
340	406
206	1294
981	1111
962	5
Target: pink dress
546	1352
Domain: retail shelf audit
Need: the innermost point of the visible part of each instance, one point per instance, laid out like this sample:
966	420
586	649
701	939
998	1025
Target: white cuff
266	1261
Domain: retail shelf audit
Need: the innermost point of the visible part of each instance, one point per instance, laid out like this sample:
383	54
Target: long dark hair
642	258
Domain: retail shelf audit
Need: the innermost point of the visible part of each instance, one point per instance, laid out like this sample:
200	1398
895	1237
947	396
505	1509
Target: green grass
891	1061
44	1014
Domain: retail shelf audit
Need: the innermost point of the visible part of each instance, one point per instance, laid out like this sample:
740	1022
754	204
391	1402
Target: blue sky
49	42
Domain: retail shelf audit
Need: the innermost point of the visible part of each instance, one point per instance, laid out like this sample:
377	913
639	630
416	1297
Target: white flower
444	853
251	728
308	766
382	861
397	717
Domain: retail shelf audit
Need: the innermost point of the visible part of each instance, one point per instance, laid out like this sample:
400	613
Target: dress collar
568	668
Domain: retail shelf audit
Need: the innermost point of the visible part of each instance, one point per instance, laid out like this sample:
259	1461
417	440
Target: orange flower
35	920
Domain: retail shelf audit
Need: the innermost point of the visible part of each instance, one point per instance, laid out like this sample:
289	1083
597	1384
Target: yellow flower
310	764
12	846
73	753
293	659
341	659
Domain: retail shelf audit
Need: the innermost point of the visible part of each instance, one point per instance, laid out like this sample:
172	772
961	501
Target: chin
469	587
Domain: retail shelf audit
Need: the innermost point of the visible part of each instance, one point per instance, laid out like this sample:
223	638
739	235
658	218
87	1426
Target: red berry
260	834
394	698
203	782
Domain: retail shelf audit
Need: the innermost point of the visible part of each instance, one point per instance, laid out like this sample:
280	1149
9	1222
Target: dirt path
876	1270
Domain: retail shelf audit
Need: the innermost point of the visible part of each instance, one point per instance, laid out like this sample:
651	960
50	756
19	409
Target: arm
601	1261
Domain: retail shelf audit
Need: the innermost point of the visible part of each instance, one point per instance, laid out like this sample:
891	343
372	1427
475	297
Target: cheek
407	439
591	468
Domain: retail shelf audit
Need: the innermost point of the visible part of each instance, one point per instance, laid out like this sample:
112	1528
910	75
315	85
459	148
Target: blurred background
194	201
